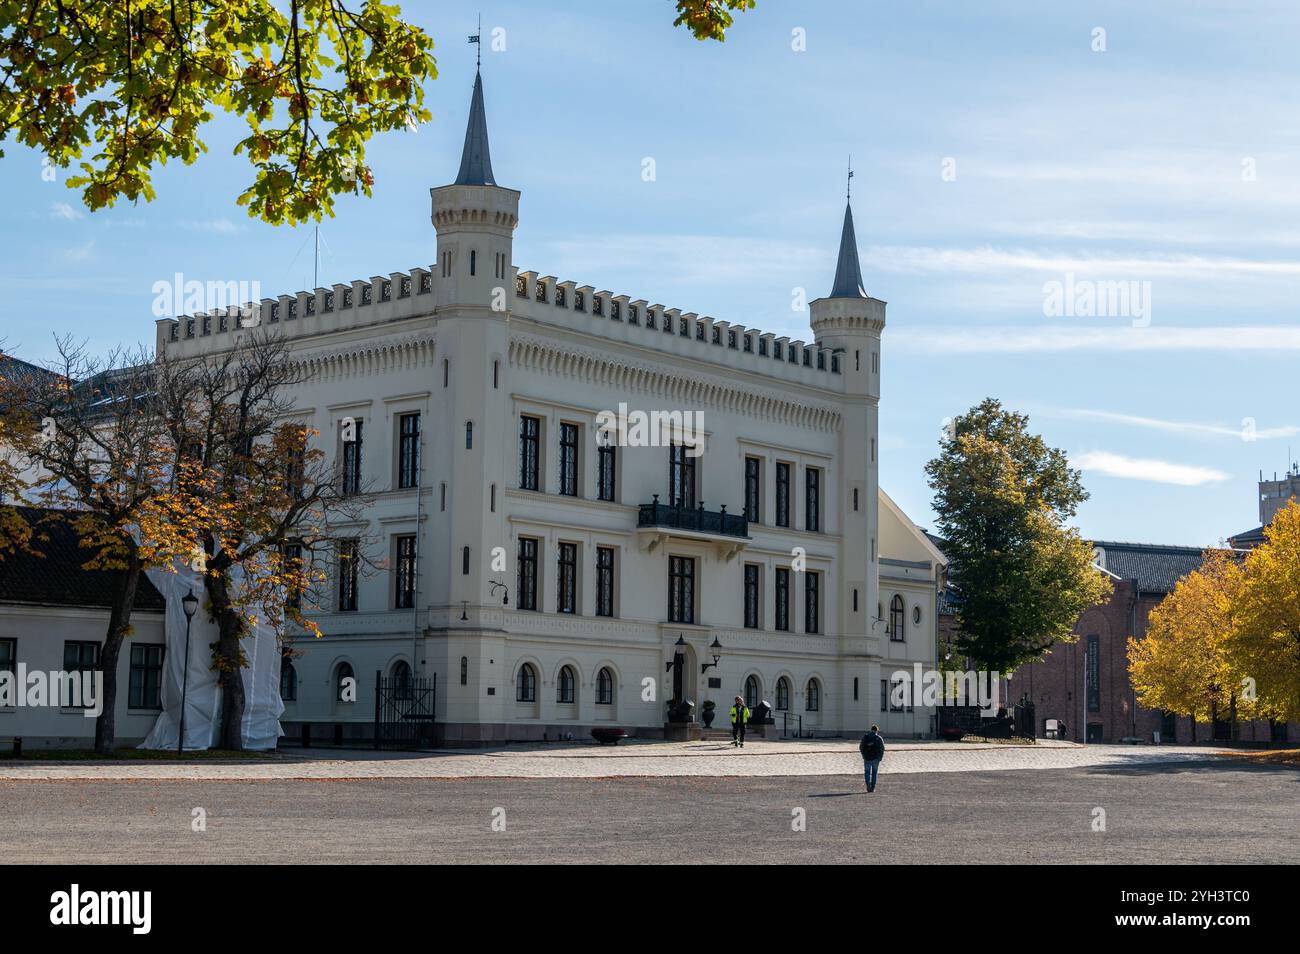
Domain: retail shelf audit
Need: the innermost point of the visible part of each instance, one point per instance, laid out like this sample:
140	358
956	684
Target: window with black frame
604	581
606	471
566	597
782	621
144	690
80	656
783	694
404	598
526	684
295	470
408	450
345	683
782	494
604	687
9	656
753	489
348	573
812	602
813	697
751	595
292	560
681	589
526	589
352	457
564	691
897	620
530	432
569	459
288	679
681	476
812	500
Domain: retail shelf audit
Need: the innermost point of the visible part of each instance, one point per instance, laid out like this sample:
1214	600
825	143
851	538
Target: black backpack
873	747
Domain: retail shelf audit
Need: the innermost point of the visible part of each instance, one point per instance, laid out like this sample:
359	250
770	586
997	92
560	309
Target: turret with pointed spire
848	273
476	158
475	219
850	321
473	293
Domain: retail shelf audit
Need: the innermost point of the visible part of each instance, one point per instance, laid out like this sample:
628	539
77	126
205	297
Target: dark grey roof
55	573
1156	568
1248	538
476	160
848	273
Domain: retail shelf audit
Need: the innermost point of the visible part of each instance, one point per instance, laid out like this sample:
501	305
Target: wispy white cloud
1056	338
1247	431
1149	469
214	226
79	253
61	210
704	259
911	259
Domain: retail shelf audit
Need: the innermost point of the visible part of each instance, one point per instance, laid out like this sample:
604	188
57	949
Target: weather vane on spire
477	38
848	184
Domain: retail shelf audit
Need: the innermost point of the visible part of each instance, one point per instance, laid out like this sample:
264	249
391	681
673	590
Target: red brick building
1143	575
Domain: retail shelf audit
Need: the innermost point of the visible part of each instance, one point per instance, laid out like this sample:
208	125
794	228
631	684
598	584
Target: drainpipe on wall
1132	632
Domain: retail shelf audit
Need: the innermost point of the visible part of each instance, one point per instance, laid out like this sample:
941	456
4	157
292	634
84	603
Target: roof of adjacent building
476	159
848	271
1248	538
55	574
1155	567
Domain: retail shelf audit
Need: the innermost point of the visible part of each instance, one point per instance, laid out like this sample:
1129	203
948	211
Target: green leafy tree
134	82
709	19
120	88
1023	575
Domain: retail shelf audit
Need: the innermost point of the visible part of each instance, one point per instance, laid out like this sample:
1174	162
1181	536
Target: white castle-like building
547	576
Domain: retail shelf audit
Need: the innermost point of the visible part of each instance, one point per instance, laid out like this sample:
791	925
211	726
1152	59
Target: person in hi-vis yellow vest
739	716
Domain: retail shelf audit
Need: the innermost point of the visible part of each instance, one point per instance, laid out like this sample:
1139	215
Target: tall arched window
751	691
604	687
526	684
897	619
564	686
288	679
343	679
782	694
402	679
813	698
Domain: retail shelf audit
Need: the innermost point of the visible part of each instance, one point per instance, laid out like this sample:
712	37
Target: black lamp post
189	603
716	647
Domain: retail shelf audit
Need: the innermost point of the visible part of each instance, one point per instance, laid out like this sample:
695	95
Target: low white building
53	617
546	577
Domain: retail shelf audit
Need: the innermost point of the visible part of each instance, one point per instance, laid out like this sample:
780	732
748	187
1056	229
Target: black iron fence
404	711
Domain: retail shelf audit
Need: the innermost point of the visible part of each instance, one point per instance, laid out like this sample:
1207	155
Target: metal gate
404	711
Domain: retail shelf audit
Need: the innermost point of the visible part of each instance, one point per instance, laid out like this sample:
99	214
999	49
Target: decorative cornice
664	382
367	357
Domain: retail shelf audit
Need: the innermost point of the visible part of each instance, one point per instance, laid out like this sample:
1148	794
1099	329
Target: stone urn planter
606	735
707	714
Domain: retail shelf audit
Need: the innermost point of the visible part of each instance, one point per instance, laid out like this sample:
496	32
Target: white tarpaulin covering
262	703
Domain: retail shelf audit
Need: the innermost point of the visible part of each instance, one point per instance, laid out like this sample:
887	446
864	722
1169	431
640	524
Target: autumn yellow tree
1183	665
262	502
1265	640
88	433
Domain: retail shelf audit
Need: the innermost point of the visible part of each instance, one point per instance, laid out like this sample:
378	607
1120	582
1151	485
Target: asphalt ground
1191	812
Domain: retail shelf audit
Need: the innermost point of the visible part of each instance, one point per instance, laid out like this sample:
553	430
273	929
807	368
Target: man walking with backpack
739	716
872	748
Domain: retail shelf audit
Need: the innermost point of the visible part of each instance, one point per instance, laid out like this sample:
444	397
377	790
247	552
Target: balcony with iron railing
657	521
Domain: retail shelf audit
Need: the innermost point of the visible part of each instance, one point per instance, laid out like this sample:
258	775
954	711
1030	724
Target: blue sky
1169	158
